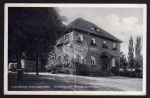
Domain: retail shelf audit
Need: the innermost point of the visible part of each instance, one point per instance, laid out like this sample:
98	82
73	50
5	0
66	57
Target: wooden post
19	72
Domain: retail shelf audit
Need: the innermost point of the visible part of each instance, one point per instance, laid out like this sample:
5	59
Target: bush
64	70
139	73
115	71
81	69
128	72
104	73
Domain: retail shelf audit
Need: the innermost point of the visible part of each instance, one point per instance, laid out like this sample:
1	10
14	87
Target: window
66	39
92	28
82	60
93	42
98	30
80	38
95	29
93	61
114	46
104	44
113	62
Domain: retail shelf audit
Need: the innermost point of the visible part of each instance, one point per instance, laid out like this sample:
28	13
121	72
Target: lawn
63	82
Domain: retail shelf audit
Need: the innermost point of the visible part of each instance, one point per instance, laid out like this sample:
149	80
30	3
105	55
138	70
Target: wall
92	50
97	50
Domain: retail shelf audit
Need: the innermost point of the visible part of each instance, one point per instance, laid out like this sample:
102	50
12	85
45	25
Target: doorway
106	62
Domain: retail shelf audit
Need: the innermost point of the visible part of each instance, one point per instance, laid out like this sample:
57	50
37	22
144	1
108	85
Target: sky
120	22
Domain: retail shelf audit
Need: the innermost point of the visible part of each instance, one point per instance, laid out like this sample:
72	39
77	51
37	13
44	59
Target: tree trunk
19	72
37	71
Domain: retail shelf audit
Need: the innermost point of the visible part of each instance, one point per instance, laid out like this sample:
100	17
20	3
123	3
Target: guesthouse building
88	44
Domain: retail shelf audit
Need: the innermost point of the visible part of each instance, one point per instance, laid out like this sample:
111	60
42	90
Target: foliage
117	63
127	73
115	70
81	69
123	62
131	53
138	56
33	31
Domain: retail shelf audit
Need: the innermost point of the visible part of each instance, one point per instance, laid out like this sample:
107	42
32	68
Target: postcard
75	49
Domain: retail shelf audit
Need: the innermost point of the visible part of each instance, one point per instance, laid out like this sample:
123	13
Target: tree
131	53
123	61
138	56
33	31
16	38
117	63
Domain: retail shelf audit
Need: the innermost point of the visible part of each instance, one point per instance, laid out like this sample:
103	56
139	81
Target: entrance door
105	64
106	61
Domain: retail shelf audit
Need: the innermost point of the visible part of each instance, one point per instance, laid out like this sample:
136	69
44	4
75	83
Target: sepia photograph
75	49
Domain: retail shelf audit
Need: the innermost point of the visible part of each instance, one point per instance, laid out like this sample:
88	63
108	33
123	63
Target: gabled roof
86	26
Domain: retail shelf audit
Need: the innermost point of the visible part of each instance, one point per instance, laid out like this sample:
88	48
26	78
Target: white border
6	92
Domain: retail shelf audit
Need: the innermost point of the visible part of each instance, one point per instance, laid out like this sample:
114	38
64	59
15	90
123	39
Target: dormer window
80	38
93	42
95	29
98	30
92	28
114	46
105	44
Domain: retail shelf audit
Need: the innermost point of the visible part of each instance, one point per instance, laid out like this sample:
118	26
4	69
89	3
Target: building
89	44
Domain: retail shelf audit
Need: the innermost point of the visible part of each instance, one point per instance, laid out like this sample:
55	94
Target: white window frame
92	28
80	36
114	45
95	29
105	42
93	60
82	60
98	30
94	40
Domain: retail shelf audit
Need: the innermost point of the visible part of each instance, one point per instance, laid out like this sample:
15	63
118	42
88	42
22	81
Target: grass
32	82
